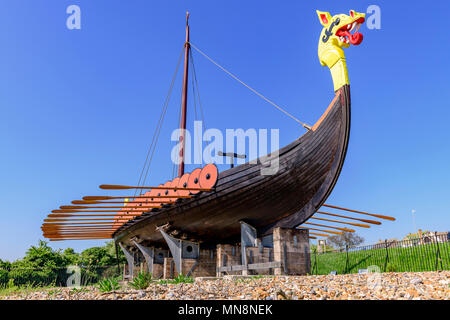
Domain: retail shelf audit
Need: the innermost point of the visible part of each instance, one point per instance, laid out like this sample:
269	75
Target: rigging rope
196	135
253	90
198	91
152	147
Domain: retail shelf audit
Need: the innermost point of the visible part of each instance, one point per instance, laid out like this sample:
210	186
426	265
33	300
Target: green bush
32	277
4	277
141	281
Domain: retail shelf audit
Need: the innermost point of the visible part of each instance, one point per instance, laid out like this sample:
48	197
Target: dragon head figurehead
337	34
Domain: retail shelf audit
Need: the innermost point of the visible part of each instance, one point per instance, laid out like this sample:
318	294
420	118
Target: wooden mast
184	99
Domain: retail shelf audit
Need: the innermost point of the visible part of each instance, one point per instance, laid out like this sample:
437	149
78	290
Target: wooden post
184	99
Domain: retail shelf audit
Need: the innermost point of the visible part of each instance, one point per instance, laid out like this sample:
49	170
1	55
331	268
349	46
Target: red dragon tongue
354	39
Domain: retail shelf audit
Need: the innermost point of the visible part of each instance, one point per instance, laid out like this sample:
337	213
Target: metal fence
425	254
61	276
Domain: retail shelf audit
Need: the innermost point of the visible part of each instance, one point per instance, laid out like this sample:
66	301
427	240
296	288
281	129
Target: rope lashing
250	88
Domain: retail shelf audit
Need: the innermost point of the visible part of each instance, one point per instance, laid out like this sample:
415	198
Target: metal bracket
248	239
130	260
181	249
149	255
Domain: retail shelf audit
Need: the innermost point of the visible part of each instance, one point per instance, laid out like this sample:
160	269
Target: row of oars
341	230
85	220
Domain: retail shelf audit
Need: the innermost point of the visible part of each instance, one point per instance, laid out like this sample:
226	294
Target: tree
71	257
345	239
111	249
5	265
42	256
97	256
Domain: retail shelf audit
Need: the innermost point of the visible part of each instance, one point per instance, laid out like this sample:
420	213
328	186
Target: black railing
425	254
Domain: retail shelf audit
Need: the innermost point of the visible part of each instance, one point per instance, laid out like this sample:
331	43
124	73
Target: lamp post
414	219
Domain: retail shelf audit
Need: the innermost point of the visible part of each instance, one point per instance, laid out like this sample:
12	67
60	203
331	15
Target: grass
11	289
403	259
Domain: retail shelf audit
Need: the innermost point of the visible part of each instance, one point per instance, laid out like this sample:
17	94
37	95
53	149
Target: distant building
423	237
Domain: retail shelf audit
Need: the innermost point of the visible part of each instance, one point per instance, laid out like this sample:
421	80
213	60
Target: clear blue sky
78	107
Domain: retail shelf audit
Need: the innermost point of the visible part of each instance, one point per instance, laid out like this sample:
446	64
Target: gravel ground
416	286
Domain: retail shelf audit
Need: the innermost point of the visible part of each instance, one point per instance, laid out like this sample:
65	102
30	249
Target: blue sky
79	106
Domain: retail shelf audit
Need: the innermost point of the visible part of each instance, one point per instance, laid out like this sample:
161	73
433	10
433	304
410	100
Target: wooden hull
308	170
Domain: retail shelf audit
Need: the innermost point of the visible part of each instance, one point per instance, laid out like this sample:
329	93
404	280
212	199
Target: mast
184	99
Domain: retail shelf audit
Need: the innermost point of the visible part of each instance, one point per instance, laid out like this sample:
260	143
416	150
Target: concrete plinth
291	248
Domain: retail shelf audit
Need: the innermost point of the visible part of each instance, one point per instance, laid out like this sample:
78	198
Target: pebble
397	286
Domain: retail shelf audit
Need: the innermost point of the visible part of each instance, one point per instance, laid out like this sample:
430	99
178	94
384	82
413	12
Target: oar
361	212
322	225
89	198
108	207
82	237
98	219
338	215
117	211
76	235
121	187
118	202
71	239
78	230
80	223
329	231
319	234
309	237
343	222
58	215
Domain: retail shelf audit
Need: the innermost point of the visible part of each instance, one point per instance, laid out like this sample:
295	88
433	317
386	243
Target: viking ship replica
213	209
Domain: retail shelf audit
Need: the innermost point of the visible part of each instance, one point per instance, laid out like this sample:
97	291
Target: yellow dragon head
337	34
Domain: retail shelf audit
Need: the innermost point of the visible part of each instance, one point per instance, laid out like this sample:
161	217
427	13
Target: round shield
183	183
208	176
166	192
193	181
174	192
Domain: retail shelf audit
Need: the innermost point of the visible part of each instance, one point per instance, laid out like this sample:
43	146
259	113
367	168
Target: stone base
285	252
289	250
291	247
205	266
